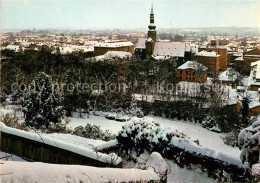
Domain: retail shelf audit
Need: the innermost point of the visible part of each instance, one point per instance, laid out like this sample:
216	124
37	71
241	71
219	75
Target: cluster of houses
197	61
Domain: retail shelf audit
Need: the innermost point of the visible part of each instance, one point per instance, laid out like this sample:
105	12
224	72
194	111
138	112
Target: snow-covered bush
210	123
93	132
134	111
249	140
181	109
230	139
123	114
158	165
57	127
11	120
42	103
146	134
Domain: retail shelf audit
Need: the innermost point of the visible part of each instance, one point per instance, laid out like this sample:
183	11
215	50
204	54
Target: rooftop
192	65
173	49
113	44
207	54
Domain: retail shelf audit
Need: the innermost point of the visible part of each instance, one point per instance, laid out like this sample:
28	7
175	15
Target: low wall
44	149
215	168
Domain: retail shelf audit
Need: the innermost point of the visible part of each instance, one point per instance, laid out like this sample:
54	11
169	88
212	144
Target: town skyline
131	14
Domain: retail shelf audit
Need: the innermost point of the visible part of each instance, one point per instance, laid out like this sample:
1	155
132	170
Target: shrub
211	124
146	134
42	103
10	120
230	139
248	140
93	132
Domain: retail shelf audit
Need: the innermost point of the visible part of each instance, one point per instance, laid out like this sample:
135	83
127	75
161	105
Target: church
151	47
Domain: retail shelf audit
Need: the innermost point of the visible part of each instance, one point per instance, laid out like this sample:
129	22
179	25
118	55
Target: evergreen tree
245	110
42	103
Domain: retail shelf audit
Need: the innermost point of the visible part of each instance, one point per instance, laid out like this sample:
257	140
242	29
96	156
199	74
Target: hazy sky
99	14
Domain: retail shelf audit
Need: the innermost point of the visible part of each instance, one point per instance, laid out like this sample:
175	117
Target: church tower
150	42
152	26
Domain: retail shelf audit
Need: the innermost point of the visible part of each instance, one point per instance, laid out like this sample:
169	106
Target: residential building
101	48
210	59
254	78
222	51
251	56
192	71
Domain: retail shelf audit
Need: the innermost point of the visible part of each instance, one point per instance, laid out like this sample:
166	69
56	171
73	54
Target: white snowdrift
17	172
62	144
192	147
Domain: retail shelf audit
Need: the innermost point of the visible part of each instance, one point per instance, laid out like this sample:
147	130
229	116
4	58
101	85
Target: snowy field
207	139
18	170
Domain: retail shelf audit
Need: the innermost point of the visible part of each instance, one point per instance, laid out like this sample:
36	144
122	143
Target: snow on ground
17	172
175	173
76	140
178	174
9	157
207	139
105	124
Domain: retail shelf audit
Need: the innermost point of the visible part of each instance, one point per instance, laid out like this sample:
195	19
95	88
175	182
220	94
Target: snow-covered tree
245	109
42	103
249	140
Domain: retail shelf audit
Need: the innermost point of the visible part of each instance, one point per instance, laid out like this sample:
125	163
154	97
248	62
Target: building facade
103	48
192	71
220	50
211	60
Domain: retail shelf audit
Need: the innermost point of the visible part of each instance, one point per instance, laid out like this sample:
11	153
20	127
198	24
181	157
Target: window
186	72
180	71
186	78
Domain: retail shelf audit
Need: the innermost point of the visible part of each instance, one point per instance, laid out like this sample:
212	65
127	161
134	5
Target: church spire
151	26
152	18
150	42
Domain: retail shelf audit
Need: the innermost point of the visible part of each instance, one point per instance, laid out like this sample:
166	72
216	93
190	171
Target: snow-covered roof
13	47
114	44
239	59
254	74
113	54
255	63
121	54
192	65
227	76
149	39
173	49
188	48
208	54
161	57
257	68
141	43
25	44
